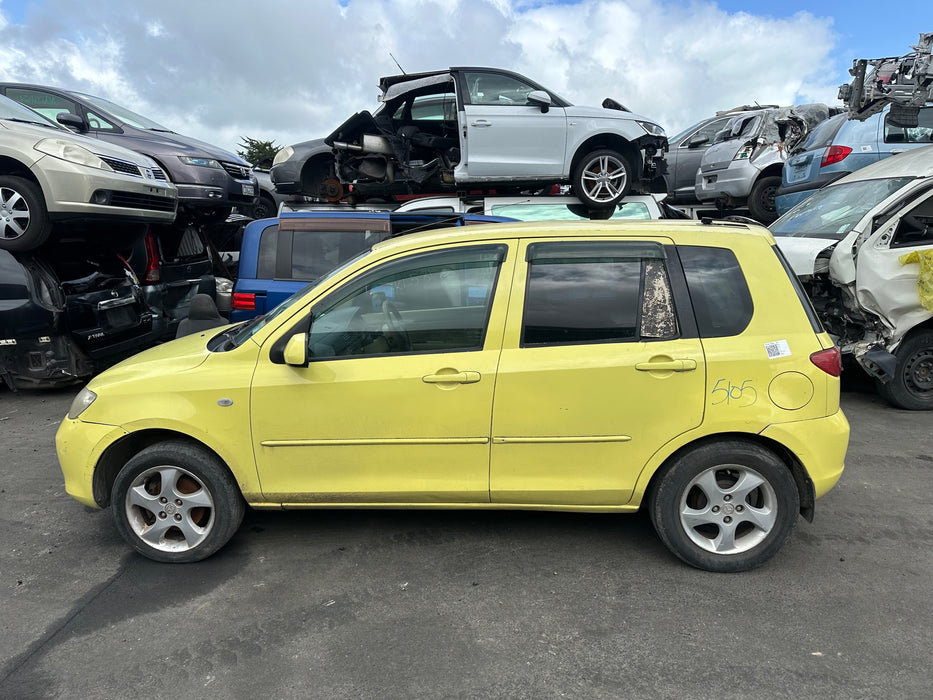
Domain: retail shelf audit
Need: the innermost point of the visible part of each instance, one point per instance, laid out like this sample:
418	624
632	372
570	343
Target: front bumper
73	191
80	446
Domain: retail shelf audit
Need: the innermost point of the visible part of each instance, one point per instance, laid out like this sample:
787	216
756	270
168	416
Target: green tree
258	152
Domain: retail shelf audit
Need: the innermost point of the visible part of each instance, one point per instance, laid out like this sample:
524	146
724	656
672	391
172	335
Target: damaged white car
477	128
863	247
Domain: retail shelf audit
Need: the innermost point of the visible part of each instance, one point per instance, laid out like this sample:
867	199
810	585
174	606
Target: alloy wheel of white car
602	178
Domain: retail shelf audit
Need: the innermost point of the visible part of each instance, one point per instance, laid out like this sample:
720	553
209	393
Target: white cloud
292	71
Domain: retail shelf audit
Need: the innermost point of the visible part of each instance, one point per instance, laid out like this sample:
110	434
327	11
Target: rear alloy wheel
602	178
24	219
912	385
175	502
761	199
725	506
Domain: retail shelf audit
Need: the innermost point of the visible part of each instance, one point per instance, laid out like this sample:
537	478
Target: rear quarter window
718	290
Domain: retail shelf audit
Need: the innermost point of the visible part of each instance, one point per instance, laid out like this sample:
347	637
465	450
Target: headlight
283	155
72	152
651	128
201	162
84	399
745	152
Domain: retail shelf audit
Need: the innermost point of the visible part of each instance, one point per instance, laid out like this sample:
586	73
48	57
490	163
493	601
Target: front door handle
455	378
480	123
667	366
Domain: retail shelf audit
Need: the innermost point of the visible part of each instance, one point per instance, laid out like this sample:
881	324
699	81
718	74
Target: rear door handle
456	378
667	366
480	123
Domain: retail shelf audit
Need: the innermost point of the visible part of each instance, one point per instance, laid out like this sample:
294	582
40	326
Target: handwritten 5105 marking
742	395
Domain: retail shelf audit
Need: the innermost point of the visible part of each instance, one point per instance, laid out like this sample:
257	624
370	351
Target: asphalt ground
395	604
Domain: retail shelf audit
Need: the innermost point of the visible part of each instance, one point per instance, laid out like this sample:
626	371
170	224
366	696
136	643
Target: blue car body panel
870	140
280	256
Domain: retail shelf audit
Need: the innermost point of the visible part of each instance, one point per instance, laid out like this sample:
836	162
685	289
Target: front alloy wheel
174	502
725	506
602	178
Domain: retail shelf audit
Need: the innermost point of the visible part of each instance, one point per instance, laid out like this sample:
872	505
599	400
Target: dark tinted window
822	135
595	293
922	133
268	247
718	290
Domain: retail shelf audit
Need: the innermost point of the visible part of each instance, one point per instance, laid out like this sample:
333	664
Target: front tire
176	503
602	178
24	218
912	386
725	506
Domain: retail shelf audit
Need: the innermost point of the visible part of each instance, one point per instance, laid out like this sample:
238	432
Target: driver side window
431	302
496	89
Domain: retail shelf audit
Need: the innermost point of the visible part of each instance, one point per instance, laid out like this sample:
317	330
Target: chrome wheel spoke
192	532
155	534
762	518
747	483
725	540
693	519
138	496
198	499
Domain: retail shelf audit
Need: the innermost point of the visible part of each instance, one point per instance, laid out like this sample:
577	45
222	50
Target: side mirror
697	140
72	121
296	350
540	98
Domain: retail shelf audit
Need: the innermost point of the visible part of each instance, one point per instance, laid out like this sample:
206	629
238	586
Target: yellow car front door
394	404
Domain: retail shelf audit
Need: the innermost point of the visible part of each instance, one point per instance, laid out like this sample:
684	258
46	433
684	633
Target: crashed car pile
102	242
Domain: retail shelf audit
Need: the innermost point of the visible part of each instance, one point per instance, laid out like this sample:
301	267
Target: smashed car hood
802	253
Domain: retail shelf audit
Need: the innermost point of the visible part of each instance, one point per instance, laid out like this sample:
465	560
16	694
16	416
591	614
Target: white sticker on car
777	348
866	149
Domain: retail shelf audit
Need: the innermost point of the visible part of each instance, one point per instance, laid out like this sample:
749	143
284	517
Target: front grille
131	200
240	172
121	166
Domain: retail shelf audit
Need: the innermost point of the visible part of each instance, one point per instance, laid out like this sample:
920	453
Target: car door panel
383	428
574	424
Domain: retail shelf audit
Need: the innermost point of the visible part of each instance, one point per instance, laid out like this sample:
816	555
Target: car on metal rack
209	180
472	127
53	180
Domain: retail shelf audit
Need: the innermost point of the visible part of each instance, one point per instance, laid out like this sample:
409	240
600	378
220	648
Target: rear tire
761	199
176	503
912	386
24	218
725	506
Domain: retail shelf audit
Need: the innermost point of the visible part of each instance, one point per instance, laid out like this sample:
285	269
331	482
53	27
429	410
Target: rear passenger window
268	247
600	292
721	300
922	133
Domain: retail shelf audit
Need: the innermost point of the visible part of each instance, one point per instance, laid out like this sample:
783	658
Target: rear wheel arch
315	171
804	485
120	452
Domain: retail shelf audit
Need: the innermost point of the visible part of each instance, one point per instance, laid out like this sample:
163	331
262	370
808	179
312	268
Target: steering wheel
395	333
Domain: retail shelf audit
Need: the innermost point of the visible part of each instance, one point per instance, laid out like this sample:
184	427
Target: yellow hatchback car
595	366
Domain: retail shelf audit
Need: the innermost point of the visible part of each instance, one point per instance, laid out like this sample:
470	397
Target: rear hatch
185	270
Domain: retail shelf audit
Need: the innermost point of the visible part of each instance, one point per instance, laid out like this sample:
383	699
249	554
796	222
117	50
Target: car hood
583	112
802	253
172	358
97	146
170	143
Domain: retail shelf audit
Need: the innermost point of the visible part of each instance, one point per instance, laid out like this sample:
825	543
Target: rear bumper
734	182
819	444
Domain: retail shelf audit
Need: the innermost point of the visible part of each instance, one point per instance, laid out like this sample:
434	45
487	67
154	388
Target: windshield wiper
161	131
29	121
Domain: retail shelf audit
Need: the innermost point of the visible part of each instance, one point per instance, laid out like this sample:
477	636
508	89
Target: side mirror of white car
540	98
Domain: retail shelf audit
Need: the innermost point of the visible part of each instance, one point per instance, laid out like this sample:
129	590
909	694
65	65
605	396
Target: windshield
121	113
833	211
244	333
14	111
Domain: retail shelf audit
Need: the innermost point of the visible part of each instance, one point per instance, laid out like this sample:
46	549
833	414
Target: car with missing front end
471	128
675	367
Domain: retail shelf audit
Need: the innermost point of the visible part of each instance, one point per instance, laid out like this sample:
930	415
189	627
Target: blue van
839	146
280	256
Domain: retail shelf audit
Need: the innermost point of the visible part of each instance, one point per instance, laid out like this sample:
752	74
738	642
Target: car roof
917	162
683	231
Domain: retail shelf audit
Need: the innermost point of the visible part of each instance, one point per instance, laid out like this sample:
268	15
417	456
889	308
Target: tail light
153	273
834	154
244	302
830	361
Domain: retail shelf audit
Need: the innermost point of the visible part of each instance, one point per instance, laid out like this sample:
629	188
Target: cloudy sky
291	70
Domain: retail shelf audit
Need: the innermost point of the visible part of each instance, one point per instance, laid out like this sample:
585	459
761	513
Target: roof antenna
398	64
